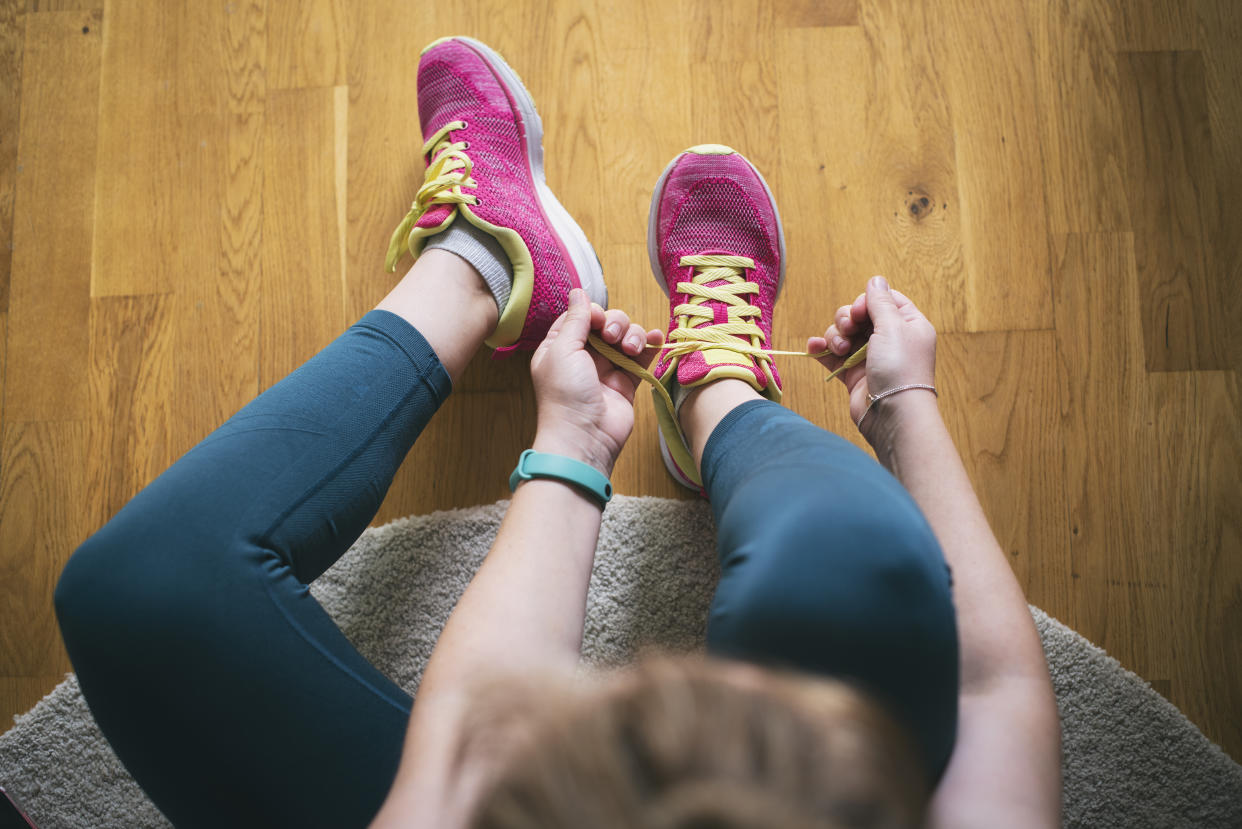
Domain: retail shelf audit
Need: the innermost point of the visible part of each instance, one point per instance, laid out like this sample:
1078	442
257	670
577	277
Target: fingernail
634	342
839	344
880	282
613	330
577	297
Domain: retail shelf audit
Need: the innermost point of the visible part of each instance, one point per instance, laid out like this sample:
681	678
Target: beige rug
1131	758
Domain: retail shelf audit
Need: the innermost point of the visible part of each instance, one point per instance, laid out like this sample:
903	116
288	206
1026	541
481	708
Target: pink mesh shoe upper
455	83
717	204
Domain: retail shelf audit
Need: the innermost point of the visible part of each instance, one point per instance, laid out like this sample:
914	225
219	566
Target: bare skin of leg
444	297
706	406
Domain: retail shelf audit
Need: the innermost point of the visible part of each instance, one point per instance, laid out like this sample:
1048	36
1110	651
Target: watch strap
532	464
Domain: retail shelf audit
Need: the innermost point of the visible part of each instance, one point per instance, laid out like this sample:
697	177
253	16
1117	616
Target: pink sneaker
484	155
717	249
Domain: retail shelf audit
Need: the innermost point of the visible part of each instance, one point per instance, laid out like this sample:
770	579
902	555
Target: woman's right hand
901	348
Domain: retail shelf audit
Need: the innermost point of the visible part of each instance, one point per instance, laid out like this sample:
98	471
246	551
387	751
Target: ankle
456	284
450	305
706	405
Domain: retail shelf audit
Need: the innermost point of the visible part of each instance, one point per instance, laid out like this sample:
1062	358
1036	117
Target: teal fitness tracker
534	464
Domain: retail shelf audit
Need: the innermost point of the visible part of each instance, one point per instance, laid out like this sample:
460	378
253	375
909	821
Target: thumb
881	306
577	324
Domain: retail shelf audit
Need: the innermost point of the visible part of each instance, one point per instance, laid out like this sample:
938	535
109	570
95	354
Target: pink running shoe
484	156
717	249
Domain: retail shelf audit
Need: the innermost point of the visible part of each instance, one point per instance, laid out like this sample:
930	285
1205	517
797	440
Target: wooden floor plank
741	30
868	181
309	44
300	304
1076	84
159	187
999	393
135	421
12	40
647	122
216	305
1220	31
999	161
43	501
1173	208
63	5
49	301
734	103
1155	25
1107	427
1191	452
816	13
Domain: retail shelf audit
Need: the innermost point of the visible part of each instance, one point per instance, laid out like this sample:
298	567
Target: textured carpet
1131	758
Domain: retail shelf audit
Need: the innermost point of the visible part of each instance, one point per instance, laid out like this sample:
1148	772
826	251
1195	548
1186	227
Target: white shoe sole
581	253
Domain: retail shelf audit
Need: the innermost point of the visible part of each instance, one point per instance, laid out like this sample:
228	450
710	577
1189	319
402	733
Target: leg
827	565
221	683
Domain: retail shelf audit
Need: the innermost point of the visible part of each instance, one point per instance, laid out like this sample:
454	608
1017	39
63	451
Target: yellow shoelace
447	173
742	317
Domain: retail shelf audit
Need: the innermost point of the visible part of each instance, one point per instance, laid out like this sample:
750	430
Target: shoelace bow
448	171
742	316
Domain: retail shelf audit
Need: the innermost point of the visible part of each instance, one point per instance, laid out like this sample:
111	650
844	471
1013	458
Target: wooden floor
196	196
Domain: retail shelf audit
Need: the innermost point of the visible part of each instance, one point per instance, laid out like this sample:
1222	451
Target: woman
842	686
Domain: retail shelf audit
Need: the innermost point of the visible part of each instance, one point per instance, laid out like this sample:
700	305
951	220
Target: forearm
998	637
523	612
1009	738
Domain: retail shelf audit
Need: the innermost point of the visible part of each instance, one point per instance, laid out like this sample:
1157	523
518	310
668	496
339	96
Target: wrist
575	445
895	421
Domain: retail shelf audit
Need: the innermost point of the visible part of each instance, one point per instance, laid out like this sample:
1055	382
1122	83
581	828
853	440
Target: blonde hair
691	744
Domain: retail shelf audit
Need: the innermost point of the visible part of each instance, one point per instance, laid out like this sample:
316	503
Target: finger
597	316
835	342
576	324
655	339
635	340
555	327
858	310
881	306
844	323
615	323
817	346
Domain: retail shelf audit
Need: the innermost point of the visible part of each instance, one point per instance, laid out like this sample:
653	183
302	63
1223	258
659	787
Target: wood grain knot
919	204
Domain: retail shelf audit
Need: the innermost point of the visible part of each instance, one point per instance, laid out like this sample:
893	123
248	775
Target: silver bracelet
872	399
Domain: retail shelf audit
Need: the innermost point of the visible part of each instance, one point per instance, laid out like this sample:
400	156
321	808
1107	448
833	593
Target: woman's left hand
586	404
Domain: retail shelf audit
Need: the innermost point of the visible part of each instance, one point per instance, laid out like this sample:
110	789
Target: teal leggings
233	698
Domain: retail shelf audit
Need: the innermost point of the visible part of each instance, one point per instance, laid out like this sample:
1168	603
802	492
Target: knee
86	596
823	586
119	585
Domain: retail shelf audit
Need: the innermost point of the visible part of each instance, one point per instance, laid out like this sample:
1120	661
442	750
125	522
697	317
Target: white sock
679	395
483	253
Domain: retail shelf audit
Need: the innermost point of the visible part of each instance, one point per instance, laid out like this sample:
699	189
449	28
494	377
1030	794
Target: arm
1006	765
524	610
